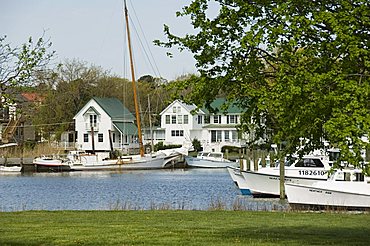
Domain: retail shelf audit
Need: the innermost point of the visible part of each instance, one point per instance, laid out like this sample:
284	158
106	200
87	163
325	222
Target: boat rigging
136	103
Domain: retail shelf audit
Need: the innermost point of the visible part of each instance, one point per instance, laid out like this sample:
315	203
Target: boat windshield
201	154
215	155
309	162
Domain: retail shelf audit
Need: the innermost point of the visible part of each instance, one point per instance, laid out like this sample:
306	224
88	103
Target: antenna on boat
134	84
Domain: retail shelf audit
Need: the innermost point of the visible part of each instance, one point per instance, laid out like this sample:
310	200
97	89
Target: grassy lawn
182	228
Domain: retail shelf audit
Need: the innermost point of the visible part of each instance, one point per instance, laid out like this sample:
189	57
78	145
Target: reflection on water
198	189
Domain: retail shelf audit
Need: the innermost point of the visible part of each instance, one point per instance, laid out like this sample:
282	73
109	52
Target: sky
93	31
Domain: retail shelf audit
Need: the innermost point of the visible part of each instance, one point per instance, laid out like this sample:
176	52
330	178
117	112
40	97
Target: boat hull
203	163
12	169
118	164
48	163
325	193
42	164
266	183
238	179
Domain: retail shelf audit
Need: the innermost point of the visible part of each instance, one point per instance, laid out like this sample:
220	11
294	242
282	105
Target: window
86	137
100	137
207	119
178	109
309	163
227	136
173	109
217	119
186	119
232	119
168	119
113	137
216	136
173	119
234	135
93	120
219	136
200	119
179	119
177	133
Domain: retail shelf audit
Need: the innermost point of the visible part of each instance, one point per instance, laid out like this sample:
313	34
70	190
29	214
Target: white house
105	124
183	123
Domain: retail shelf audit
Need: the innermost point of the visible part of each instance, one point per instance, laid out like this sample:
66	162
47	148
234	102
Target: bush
230	149
161	146
196	145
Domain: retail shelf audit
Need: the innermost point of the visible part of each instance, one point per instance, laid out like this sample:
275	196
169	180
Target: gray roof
217	106
127	128
114	108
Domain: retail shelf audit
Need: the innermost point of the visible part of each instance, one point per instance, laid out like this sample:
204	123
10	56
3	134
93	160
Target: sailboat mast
134	85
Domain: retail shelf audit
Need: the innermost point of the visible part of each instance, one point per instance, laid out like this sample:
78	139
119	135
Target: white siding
104	124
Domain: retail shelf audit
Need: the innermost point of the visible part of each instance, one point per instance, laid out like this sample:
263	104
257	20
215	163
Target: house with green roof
183	122
105	124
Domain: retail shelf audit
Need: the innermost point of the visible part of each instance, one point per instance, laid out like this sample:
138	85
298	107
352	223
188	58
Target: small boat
307	170
10	168
49	163
209	160
347	188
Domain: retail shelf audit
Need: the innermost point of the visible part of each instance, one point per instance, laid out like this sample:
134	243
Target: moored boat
81	161
209	160
50	163
12	169
345	188
307	170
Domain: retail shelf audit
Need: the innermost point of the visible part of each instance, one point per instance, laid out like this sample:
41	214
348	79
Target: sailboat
101	161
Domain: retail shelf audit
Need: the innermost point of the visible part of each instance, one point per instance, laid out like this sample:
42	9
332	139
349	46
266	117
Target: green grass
182	227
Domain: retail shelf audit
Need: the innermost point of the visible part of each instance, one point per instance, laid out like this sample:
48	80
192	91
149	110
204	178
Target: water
199	189
176	189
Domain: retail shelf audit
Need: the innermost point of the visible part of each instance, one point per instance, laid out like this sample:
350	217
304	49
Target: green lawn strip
182	227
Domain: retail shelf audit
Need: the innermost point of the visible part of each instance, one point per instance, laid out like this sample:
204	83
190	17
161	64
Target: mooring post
249	160
255	160
282	178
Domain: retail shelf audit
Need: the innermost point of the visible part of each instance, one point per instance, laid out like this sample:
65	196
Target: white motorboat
209	160
238	179
51	163
48	161
345	188
307	170
10	169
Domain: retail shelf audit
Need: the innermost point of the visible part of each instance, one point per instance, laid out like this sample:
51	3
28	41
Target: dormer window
93	120
217	119
200	119
232	119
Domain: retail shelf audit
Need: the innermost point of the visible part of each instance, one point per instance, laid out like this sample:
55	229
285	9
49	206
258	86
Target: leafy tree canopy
68	87
299	68
18	65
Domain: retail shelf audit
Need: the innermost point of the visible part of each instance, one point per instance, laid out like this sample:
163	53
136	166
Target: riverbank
11	161
168	227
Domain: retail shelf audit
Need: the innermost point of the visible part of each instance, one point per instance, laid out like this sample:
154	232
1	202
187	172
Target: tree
69	87
300	69
196	145
18	65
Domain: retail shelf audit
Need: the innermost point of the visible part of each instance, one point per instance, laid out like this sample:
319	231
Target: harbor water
190	189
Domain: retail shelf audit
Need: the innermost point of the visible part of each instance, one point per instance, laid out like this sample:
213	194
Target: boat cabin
350	175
